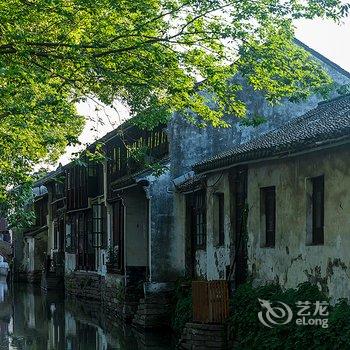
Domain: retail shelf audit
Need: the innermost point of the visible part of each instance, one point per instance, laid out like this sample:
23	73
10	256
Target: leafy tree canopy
149	54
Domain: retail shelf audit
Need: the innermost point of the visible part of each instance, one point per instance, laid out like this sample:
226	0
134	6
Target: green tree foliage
149	54
182	306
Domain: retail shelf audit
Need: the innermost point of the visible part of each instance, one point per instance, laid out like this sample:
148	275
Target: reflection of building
3	290
31	319
35	238
4	236
47	321
5	313
4	342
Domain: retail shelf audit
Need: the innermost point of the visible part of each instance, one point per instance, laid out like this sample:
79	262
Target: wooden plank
210	301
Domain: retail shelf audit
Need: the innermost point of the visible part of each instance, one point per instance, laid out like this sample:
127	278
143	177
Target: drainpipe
149	238
149	245
145	185
103	254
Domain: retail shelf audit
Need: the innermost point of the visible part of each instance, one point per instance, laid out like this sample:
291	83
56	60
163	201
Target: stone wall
84	285
197	336
112	293
119	300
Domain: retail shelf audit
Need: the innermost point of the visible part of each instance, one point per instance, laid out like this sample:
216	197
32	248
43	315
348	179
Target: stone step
203	336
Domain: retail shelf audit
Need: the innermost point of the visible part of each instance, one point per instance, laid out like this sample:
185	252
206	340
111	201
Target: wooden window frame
268	216
120	161
98	230
41	211
317	201
77	187
85	252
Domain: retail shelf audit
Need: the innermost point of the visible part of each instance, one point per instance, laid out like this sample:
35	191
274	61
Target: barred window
198	220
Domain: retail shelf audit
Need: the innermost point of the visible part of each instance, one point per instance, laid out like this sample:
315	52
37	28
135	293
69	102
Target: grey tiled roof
327	123
191	184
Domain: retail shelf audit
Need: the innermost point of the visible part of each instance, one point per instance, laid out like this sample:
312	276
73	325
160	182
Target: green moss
182	312
244	326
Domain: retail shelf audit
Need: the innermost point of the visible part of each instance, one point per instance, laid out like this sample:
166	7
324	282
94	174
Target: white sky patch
330	39
100	120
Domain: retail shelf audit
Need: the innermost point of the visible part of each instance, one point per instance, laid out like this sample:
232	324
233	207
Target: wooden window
77	187
55	236
198	220
219	218
116	159
95	179
317	210
85	249
268	215
41	210
98	225
59	233
58	190
71	234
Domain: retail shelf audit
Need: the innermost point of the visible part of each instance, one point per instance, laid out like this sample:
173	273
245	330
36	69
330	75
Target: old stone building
33	240
288	200
121	230
5	238
208	254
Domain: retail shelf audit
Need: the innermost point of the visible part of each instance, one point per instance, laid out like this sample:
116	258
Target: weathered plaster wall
177	251
136	228
160	194
189	145
292	261
218	256
212	262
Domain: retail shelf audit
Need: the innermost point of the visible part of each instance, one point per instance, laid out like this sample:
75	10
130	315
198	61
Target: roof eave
227	163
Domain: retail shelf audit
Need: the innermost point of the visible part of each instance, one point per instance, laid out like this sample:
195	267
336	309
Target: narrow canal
31	319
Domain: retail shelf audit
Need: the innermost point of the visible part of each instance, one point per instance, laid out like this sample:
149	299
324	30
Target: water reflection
33	320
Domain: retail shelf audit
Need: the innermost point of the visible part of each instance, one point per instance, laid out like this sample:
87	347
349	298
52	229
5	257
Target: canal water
31	319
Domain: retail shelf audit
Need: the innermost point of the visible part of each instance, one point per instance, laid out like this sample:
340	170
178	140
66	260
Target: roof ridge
322	58
337	98
309	113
